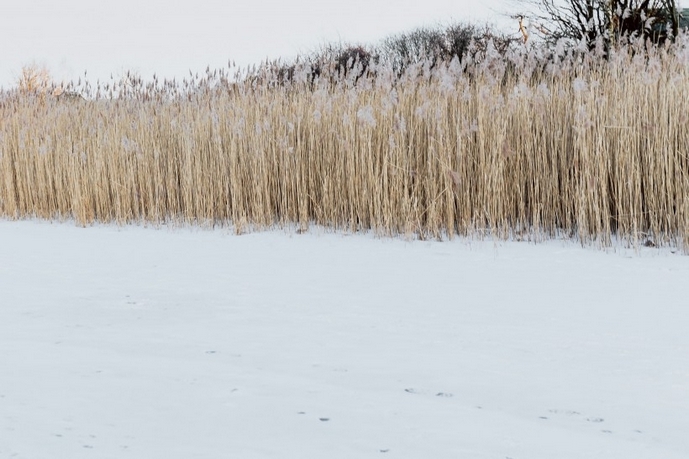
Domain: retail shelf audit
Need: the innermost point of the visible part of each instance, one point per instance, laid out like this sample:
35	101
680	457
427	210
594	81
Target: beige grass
588	148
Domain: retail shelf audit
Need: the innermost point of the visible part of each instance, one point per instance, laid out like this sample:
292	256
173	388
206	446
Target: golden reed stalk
584	147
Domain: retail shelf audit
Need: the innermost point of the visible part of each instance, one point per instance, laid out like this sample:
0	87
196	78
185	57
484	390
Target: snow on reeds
511	145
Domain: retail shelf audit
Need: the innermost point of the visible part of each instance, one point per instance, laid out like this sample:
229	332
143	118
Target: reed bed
515	145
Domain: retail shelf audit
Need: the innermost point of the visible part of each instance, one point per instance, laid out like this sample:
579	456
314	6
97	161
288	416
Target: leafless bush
436	45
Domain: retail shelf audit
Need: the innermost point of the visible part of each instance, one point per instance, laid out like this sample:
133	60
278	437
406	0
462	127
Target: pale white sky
170	37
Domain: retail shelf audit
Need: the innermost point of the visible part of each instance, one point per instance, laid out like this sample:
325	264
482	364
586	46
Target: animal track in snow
411	390
572	413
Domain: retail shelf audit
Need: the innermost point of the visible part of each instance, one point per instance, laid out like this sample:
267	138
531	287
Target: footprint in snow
573	413
411	390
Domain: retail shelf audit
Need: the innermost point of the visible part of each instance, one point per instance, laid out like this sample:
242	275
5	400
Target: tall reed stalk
506	145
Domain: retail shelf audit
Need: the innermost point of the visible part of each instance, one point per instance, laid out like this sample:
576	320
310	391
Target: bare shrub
439	44
35	79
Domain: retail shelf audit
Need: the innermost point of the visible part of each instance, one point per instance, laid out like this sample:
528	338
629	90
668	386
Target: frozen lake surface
147	343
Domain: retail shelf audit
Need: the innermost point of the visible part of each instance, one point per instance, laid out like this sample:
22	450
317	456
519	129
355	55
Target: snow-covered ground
149	343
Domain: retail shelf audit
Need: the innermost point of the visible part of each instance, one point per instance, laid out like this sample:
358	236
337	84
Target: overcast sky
170	37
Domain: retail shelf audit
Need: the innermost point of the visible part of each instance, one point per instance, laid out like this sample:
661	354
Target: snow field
179	343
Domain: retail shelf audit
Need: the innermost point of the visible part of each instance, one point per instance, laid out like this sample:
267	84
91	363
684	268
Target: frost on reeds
530	143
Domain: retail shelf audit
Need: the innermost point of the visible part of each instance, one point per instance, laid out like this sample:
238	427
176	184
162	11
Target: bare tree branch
589	20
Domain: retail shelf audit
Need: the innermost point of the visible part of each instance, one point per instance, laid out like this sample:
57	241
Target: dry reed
584	147
34	79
